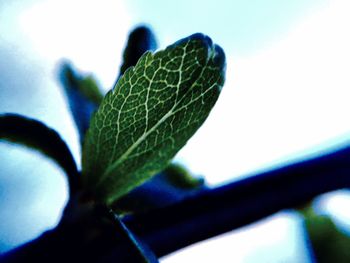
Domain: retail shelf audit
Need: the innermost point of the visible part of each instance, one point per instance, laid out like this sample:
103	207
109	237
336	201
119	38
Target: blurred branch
234	205
83	96
36	135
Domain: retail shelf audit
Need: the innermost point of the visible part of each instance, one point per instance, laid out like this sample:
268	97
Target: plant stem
225	208
91	235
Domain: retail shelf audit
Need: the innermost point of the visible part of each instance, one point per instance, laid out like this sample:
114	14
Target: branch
94	235
34	134
234	205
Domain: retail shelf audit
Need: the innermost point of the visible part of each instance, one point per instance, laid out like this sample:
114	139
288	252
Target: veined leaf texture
150	114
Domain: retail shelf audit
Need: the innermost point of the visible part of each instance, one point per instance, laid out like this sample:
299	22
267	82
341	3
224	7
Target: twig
225	208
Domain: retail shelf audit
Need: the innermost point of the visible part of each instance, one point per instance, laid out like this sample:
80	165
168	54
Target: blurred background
286	97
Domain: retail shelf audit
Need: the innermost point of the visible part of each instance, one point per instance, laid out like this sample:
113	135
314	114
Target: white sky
282	101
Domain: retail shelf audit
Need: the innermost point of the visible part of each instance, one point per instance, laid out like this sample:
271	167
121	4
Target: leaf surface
83	96
326	241
151	113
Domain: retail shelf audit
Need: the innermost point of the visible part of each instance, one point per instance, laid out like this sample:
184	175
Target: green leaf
327	242
140	40
150	115
170	186
178	176
36	135
86	85
83	95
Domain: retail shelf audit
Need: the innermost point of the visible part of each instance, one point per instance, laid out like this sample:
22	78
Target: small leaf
34	134
84	96
170	186
150	114
327	242
141	39
178	176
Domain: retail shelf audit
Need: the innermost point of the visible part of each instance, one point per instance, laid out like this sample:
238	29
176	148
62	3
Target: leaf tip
215	52
218	56
200	36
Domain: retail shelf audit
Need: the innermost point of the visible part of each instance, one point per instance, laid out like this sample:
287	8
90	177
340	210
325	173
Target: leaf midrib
146	134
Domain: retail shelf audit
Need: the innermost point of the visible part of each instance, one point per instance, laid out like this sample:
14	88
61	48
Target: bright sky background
286	96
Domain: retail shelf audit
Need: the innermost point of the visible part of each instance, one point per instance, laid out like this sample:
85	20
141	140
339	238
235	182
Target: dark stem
225	208
34	134
91	234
